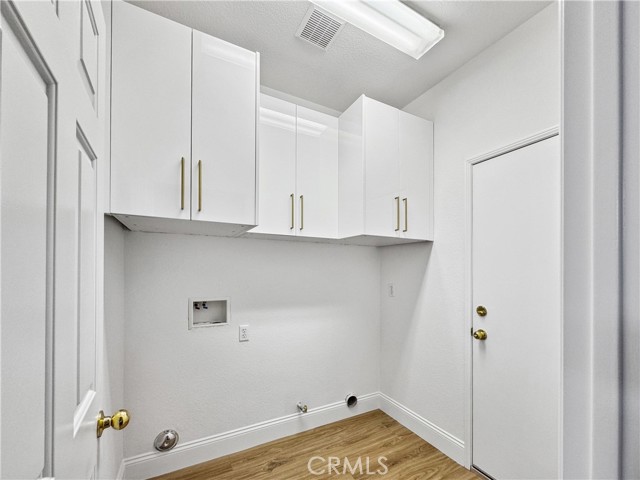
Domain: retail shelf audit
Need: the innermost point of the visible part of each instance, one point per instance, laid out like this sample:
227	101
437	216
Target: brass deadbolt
481	311
117	421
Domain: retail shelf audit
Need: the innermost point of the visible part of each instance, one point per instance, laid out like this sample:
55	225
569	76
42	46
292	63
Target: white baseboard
191	453
197	451
448	444
120	474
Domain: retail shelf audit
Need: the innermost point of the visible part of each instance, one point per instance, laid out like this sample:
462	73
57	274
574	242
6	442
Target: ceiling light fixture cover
388	20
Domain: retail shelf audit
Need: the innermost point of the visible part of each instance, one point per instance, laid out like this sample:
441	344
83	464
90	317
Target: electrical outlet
243	333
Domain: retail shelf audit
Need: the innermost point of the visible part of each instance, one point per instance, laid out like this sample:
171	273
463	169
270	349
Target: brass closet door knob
480	335
117	421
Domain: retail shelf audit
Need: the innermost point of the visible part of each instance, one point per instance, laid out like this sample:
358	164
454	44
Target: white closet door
224	132
277	172
382	215
151	114
317	174
517	279
416	177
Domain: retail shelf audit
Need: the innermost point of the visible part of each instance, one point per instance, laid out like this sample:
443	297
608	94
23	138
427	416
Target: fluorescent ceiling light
388	20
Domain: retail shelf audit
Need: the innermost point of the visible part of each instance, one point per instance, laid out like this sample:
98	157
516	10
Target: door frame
468	302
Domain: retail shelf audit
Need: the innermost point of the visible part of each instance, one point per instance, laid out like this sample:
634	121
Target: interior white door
317	174
52	142
78	304
517	279
225	92
277	172
151	115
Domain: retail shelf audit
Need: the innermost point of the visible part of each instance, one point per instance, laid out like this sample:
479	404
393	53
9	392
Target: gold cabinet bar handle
406	214
292	207
301	212
199	185
397	199
182	184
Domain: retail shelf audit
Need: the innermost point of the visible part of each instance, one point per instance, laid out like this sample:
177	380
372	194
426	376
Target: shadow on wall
404	316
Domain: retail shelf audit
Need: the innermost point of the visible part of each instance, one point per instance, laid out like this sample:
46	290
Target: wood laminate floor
372	435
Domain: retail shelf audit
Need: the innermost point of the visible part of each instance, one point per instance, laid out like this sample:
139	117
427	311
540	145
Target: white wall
508	92
313	312
112	446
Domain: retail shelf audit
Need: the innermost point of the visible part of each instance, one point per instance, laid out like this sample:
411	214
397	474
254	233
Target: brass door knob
118	421
480	335
481	310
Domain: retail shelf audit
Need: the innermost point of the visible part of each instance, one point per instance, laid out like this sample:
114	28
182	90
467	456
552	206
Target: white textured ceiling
356	62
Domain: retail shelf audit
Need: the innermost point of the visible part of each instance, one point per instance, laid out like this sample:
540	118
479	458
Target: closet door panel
150	114
224	132
381	169
416	174
317	174
277	172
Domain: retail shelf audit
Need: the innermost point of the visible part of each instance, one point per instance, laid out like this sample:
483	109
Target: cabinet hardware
199	185
292	216
397	199
182	184
406	214
301	212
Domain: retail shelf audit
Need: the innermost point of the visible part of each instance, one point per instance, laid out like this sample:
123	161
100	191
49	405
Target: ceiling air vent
319	28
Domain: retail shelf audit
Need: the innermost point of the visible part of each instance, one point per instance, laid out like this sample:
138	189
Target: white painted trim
120	474
468	356
591	134
201	450
444	441
525	142
208	448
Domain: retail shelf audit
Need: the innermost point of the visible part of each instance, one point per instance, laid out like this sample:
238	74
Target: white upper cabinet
150	114
416	177
183	141
298	171
277	173
317	174
385	175
225	86
382	167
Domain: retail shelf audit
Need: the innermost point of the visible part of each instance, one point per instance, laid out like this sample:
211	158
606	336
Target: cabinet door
381	169
277	169
150	114
224	132
317	174
416	177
